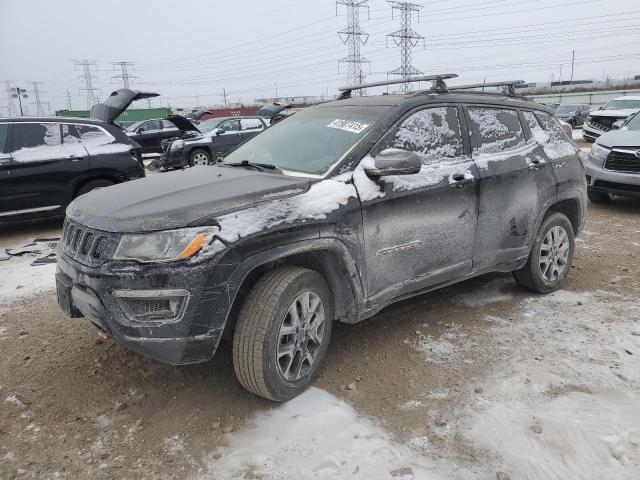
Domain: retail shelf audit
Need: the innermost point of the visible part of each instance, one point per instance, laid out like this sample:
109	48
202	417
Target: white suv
601	121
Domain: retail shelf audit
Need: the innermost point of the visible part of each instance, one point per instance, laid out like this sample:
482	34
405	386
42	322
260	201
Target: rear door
6	192
419	230
47	157
230	137
250	127
515	181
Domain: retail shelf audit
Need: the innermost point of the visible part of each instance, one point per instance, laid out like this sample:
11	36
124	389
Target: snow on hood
620	138
177	199
614	113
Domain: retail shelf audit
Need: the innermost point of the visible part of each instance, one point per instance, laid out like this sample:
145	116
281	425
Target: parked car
613	165
329	216
149	134
218	137
601	121
46	162
574	115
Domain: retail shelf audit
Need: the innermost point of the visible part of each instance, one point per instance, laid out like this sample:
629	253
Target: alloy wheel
200	159
554	254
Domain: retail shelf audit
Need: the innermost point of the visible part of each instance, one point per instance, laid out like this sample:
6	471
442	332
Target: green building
127	117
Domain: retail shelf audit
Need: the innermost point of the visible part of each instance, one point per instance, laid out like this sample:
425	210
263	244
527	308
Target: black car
331	215
217	138
46	162
574	115
149	134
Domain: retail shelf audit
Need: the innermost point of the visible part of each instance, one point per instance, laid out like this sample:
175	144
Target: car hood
179	199
183	124
117	103
620	138
613	113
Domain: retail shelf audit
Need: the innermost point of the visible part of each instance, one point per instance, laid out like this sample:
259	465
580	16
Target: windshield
566	108
633	123
312	140
134	126
208	125
622	104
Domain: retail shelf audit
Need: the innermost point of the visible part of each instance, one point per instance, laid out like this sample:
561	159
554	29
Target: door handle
75	159
459	180
536	164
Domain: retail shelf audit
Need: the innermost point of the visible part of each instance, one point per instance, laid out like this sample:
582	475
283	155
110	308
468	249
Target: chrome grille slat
86	245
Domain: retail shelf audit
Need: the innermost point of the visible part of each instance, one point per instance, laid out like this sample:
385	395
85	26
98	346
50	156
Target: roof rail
437	81
508	86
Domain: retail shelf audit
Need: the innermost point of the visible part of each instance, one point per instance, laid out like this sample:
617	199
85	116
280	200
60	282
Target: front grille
86	245
602	123
623	187
623	161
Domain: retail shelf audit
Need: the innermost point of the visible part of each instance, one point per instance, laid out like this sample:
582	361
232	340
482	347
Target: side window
69	134
537	131
92	136
32	135
433	133
551	127
231	126
167	125
151	125
4	133
251	124
498	129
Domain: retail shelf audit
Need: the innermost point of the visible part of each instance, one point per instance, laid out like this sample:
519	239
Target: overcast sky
183	49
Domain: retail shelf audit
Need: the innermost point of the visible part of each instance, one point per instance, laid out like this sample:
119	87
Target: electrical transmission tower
69	100
88	77
354	37
125	77
406	38
36	95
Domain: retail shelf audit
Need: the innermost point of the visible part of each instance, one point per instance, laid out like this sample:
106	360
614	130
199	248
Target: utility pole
69	100
573	60
125	77
276	86
36	93
406	38
354	37
20	93
88	77
224	94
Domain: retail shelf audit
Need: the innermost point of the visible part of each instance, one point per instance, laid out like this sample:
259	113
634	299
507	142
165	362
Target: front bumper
190	336
590	133
607	181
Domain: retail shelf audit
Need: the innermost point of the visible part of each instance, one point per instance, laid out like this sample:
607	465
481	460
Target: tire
199	157
599	197
92	185
533	276
259	336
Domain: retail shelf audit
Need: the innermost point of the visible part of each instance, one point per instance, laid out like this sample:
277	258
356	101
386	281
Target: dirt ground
430	368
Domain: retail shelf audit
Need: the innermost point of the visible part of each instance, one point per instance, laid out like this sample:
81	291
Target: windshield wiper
258	166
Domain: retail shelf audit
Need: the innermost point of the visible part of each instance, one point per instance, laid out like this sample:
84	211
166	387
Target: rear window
497	129
546	130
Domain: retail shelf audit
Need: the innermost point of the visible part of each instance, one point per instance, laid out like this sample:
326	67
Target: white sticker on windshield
348	125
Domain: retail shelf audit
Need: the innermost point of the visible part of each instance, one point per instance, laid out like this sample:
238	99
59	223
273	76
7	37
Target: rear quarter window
546	131
495	129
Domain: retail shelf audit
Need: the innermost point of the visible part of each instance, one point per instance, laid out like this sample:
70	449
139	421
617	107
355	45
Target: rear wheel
599	197
551	256
92	185
199	157
283	333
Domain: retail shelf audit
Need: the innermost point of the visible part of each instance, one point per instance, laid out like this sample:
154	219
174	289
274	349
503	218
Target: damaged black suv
336	213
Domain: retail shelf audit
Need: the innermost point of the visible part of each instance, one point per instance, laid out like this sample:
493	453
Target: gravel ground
481	380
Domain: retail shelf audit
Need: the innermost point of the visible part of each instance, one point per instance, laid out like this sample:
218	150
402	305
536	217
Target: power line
125	77
89	78
354	37
406	38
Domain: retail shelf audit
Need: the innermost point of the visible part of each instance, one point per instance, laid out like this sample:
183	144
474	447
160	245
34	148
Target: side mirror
140	130
218	132
393	161
617	125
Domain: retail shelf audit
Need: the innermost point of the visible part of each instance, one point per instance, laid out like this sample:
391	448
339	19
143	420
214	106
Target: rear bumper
190	335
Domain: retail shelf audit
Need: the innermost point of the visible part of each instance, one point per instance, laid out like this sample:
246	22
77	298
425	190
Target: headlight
166	245
177	145
599	152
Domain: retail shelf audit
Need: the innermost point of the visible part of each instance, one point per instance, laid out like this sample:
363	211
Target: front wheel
199	157
282	333
599	197
551	256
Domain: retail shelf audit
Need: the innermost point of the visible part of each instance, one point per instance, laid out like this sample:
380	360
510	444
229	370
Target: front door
47	156
149	135
515	180
419	230
229	136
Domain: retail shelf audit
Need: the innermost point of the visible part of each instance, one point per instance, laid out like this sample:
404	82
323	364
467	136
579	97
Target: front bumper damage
174	314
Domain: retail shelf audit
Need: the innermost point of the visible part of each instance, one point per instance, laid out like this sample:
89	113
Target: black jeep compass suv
330	216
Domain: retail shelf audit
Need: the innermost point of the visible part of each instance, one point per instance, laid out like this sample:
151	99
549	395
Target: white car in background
601	121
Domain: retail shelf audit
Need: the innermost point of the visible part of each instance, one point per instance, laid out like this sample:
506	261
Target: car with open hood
573	114
613	165
46	162
150	134
330	215
601	121
216	137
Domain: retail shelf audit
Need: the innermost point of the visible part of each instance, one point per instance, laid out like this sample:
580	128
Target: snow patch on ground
316	436
567	405
19	279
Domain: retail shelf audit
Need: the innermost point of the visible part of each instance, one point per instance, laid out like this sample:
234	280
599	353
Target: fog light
152	305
